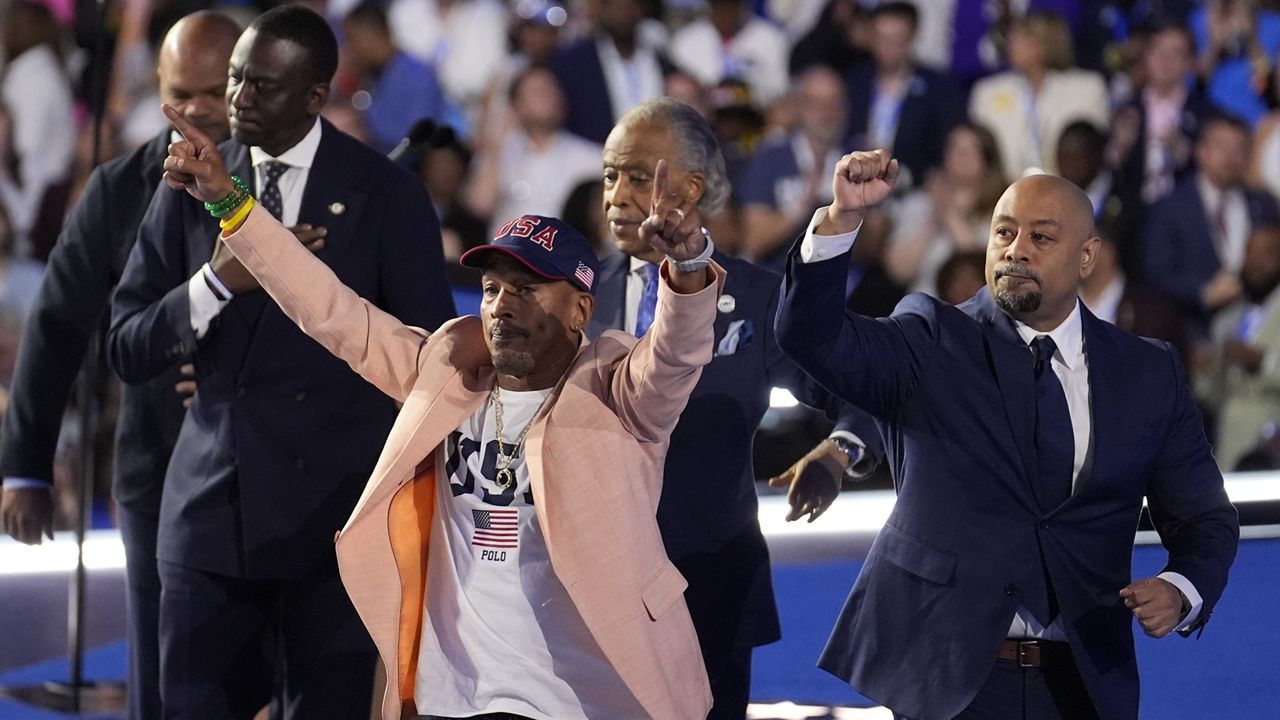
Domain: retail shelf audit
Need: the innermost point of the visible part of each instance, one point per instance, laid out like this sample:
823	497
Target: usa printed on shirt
497	528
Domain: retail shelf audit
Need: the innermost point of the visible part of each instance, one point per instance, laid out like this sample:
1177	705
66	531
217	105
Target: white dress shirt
204	303
630	81
1070	364
1229	240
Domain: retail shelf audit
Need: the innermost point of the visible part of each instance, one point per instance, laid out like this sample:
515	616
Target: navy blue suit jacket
954	391
1177	245
932	107
281	436
83	268
580	74
708	507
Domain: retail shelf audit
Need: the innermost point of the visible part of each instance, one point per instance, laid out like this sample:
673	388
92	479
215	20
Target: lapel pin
337	208
726	304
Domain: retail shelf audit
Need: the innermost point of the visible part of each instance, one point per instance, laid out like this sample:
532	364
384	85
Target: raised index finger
659	185
186	129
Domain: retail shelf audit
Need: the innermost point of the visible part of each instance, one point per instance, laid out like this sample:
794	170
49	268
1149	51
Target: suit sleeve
67	311
650	386
873	364
1189	506
150	314
783	372
411	267
376	344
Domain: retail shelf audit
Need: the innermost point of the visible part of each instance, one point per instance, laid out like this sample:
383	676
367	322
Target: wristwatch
852	450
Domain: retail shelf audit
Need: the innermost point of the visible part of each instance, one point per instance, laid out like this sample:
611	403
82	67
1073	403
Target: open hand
1156	603
674	225
813	481
194	164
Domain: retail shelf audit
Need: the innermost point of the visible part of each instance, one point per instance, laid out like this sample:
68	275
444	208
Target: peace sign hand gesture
194	164
674	225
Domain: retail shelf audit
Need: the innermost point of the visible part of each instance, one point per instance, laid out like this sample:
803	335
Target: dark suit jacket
954	391
578	69
708	510
281	436
83	268
1178	246
932	107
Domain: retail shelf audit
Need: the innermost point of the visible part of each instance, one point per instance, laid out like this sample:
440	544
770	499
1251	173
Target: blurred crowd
1166	112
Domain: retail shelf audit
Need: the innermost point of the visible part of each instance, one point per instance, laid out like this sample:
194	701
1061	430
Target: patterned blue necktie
270	195
648	301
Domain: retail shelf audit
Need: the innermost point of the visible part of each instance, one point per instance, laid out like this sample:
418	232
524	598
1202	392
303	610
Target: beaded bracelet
230	201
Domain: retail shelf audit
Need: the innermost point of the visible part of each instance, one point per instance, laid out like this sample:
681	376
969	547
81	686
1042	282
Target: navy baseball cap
547	246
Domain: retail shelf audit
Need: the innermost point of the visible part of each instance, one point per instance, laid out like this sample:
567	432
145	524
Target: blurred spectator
796	17
533	163
1239	375
1194	239
981	30
399	89
464	40
1236	41
838	41
584	212
1126	302
1028	106
950	214
1080	157
443	163
734	43
38	144
686	88
1152	135
961	276
1264	169
610	71
790	177
535	32
738	124
896	105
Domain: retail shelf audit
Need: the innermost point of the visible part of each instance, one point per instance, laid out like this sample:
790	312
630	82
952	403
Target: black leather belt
1037	653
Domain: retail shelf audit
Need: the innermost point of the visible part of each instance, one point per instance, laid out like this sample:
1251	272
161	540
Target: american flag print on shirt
499	528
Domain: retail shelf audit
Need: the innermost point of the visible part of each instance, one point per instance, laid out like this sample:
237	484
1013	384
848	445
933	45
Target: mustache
1016	268
507	329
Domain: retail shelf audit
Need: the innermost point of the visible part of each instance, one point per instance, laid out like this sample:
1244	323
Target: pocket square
739	335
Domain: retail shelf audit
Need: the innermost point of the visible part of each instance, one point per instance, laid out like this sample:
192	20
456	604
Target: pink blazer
595	457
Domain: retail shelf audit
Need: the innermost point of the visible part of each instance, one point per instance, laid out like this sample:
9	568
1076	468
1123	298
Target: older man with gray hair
708	508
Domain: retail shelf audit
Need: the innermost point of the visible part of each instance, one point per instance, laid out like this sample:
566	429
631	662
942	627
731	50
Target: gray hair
696	146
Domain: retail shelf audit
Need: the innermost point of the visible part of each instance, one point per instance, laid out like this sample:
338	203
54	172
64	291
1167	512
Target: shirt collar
298	156
1068	336
637	265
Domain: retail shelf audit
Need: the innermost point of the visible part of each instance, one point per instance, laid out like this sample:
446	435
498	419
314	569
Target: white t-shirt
501	634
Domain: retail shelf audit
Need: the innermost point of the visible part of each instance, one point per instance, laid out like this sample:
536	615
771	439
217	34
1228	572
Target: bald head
1042	246
192	70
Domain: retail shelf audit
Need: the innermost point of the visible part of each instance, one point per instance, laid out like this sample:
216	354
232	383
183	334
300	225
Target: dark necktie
1055	440
270	195
648	300
1055	452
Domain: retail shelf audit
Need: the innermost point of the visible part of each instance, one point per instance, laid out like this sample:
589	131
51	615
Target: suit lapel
1014	370
331	198
611	293
1106	408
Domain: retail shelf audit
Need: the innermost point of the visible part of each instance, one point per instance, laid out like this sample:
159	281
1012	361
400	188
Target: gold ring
678	210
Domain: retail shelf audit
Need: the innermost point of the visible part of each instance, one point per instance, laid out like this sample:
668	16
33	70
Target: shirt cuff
20	483
815	247
864	465
1189	591
204	303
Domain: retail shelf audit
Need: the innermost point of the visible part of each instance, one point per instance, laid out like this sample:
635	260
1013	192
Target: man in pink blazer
514	570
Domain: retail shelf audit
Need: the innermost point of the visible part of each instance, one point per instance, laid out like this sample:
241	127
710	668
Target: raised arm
375	344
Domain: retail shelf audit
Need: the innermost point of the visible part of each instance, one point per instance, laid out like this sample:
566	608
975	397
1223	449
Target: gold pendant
506	479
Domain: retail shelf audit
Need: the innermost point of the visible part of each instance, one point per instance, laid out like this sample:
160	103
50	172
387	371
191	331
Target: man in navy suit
1025	434
84	267
610	71
894	103
708	509
280	437
1194	238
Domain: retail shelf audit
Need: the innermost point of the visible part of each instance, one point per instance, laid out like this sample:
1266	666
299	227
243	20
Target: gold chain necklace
506	477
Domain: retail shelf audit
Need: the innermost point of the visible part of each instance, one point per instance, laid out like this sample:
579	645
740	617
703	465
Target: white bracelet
696	263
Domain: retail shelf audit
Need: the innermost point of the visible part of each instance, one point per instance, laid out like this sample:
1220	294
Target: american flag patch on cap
584	274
